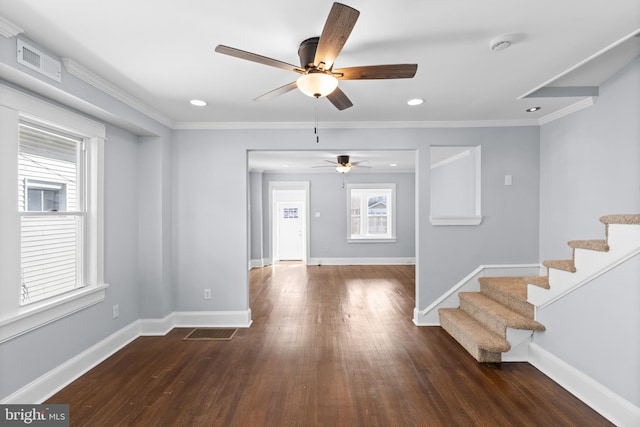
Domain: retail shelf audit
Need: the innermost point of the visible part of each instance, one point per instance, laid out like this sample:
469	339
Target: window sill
372	240
31	317
456	220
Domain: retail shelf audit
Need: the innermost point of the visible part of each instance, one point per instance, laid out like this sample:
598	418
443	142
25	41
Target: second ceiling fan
317	57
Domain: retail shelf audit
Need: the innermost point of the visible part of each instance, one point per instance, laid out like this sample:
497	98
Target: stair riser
623	240
483	317
519	306
461	337
623	237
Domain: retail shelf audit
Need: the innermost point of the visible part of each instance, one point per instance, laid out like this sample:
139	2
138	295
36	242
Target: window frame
15	320
33	217
369	188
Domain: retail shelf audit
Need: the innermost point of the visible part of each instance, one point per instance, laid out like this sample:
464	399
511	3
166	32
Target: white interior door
290	231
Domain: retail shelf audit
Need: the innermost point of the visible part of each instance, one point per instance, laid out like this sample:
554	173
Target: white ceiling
161	53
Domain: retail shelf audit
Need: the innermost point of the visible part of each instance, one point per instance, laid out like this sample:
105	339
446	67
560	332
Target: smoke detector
499	43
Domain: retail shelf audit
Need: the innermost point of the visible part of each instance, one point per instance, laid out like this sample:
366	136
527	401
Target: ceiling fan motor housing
307	51
343	160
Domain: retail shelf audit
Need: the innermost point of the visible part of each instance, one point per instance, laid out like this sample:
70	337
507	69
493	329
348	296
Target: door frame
288	186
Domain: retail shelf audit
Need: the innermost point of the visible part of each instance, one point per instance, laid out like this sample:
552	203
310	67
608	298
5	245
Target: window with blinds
52	212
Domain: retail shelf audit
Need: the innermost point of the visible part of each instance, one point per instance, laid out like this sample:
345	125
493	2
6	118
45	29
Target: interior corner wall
255	224
154	231
590	166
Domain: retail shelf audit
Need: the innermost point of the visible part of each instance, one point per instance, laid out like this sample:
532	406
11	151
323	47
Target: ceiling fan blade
277	92
337	29
339	99
237	53
370	72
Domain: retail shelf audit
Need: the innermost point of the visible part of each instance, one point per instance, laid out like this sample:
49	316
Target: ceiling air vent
33	58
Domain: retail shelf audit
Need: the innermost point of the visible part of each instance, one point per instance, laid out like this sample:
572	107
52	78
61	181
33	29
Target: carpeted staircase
481	322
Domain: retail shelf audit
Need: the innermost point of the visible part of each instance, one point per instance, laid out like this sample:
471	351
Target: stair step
508	291
561	264
592	245
541	281
620	219
495	316
482	344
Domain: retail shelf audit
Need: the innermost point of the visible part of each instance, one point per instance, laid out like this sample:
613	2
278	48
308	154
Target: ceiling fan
317	57
343	165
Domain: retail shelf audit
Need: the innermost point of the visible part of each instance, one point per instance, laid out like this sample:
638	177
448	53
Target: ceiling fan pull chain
315	129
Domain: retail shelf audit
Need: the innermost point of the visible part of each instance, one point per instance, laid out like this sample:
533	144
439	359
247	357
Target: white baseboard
256	263
53	381
226	319
616	409
362	261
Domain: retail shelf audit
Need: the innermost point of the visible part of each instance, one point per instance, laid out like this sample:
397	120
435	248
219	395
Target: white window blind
52	213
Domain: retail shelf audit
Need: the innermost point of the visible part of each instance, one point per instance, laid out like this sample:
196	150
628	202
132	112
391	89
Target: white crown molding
357	125
9	29
570	109
98	82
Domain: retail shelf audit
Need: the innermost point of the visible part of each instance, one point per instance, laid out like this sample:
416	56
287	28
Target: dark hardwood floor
329	346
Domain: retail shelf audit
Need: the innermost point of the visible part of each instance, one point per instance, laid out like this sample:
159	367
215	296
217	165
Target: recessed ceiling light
198	102
393	165
415	101
285	166
532	109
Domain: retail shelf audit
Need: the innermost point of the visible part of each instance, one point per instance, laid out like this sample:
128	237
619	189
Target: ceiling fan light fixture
317	84
343	168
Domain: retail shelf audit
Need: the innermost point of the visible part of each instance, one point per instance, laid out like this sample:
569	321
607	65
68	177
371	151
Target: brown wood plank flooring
329	346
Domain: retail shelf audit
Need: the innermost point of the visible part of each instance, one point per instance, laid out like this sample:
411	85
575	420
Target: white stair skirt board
53	381
429	316
616	409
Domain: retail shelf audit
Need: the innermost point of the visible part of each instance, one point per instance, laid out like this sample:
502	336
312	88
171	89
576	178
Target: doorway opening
289	221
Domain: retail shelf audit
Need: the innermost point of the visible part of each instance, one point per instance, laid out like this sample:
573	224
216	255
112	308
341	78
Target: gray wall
211	237
591	167
138	233
47	347
328	233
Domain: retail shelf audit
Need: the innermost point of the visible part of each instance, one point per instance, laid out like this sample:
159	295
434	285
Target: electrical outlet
207	294
116	311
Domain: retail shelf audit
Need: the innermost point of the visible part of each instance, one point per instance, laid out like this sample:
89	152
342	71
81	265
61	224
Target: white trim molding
362	261
101	84
8	29
613	407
